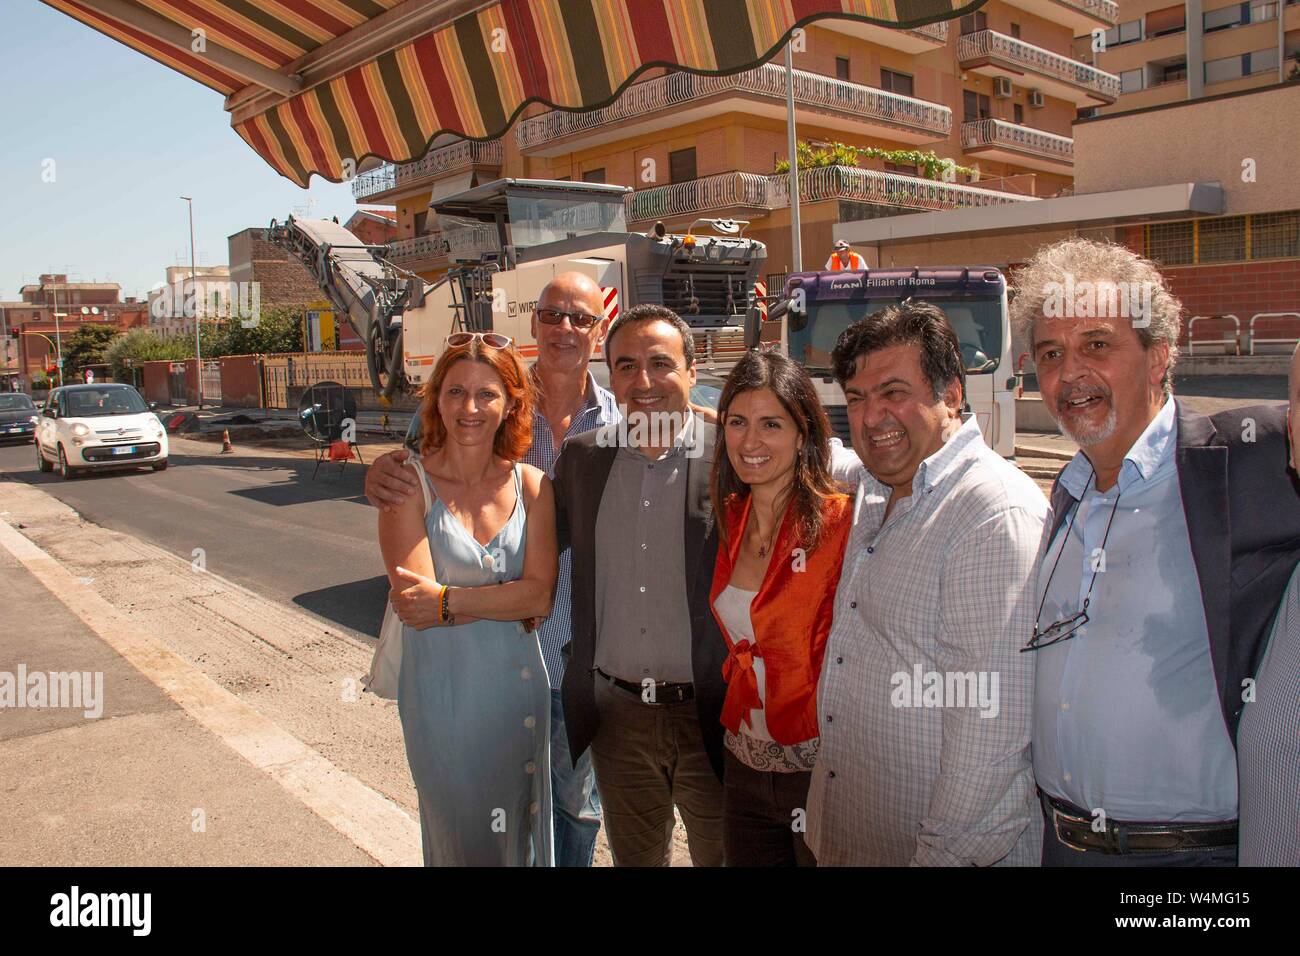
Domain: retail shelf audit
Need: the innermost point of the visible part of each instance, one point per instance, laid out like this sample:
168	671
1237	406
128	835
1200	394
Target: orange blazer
791	616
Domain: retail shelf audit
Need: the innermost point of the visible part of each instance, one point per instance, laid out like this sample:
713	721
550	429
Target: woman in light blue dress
469	581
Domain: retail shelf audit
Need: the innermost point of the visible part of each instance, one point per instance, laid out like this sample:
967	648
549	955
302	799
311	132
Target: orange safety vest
856	263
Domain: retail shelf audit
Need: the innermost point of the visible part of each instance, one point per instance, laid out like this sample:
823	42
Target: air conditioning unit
1036	99
1002	87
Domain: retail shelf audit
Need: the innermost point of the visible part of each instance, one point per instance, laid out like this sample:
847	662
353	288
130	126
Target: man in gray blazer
643	683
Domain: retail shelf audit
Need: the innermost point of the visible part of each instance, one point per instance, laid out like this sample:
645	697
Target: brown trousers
648	757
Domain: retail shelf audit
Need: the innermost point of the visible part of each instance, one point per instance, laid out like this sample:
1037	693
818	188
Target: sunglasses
493	340
579	320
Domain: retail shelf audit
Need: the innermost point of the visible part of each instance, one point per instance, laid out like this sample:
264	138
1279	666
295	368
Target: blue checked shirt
599	409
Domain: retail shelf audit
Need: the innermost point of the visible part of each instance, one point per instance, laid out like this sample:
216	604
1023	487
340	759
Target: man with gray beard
1160	576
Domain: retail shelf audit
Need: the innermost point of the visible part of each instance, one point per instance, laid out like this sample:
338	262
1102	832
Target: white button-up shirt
925	702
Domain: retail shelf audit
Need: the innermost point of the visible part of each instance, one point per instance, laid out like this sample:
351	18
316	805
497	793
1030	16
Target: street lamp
198	349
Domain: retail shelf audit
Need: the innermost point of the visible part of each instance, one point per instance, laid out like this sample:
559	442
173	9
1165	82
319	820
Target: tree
86	347
143	345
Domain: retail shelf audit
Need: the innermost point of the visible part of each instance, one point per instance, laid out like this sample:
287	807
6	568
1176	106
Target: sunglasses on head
493	340
579	320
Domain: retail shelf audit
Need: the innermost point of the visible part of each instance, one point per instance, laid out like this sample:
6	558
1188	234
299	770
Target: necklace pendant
762	551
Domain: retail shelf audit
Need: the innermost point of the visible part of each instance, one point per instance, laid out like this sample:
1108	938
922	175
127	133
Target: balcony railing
435	163
711	193
429	246
996	132
810	90
891	189
377	180
752	191
990	43
932	31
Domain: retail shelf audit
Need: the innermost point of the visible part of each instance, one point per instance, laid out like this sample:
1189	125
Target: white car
98	426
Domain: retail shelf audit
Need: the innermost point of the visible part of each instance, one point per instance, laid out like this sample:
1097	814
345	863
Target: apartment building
1166	53
995	92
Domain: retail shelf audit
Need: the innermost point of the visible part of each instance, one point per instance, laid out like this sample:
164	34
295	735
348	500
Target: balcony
736	194
996	54
932	36
1021	145
680	98
419	252
752	195
392	178
1082	16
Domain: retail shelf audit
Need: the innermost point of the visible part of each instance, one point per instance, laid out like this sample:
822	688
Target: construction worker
844	259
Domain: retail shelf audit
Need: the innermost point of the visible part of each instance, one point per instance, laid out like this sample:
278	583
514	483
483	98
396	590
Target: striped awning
317	86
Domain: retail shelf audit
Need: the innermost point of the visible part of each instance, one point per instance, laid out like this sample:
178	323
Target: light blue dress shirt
1126	715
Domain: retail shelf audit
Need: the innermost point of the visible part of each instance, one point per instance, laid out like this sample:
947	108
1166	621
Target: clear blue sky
128	137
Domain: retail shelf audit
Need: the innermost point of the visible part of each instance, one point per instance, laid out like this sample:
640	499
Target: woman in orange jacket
784	524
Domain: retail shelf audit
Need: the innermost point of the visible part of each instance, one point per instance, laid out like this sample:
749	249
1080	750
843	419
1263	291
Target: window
1223	18
421	220
1015	30
1225	68
1173	72
906	170
1275	235
842	67
1130	81
900	83
975	106
594	175
1222	239
1086	112
1118	35
681	165
1019	112
1164	22
1260	61
1259	12
1170	243
974	22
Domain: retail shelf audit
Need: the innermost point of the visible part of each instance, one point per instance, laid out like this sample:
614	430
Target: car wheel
66	471
42	463
160	465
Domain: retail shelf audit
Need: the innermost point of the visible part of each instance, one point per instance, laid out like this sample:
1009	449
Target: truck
505	240
807	316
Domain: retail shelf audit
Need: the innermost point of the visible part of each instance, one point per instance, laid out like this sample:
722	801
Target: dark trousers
763	816
648	757
1056	853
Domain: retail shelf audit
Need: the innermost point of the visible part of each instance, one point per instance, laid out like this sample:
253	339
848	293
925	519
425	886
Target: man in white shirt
925	702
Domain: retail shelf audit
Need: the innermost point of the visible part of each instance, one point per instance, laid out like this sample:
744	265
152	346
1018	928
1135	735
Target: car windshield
977	322
98	402
14	403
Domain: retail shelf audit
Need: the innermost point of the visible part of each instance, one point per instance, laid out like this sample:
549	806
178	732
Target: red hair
515	434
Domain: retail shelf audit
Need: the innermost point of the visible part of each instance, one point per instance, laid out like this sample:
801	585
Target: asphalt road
260	519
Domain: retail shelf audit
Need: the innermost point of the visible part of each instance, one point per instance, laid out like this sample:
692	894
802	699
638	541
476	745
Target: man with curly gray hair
1160	573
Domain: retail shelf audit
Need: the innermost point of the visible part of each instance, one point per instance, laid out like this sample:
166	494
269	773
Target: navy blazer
1242	505
581	472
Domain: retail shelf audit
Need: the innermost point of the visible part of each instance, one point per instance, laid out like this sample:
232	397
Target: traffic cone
226	448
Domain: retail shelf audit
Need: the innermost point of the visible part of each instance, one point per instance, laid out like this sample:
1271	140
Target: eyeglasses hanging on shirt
1068	627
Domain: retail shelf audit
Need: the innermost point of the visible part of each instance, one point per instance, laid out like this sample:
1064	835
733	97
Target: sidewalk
164	767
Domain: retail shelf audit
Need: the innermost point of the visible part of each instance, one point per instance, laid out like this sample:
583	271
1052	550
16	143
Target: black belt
1074	828
664	692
